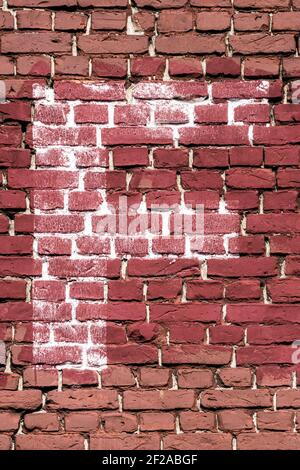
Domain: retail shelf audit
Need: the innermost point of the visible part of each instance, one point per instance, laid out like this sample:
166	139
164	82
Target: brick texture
149	342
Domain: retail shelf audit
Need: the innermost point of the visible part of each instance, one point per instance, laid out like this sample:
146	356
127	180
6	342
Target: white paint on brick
162	94
38	91
264	86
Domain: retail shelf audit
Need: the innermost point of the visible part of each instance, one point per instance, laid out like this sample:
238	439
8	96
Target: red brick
110	20
71	65
110	67
271	334
155	400
252	113
211	114
159	322
12	289
273	376
247	90
34	65
291	67
195	354
173	21
117	376
254	43
186	333
119	422
49	442
80	377
32	42
87	421
124	354
144	20
204	290
261	67
15	112
161	4
210	158
185	312
125	441
20	400
201	441
287	21
228	66
191	420
6	20
284	290
82	399
222	334
34	19
241	267
133	156
258	355
170	158
54	246
157	422
85	113
125	290
41	422
9	421
263	4
236	377
213	21
214	135
235	420
282	156
40	377
91	91
150	377
243	290
285	244
185	66
85	267
260	313
171	114
211	3
252	21
250	178
287	113
273	223
247	245
280	200
137	136
190	43
19	266
268	441
14	157
195	378
8	381
236	399
147	66
131	115
112	44
72	21
162	267
6	66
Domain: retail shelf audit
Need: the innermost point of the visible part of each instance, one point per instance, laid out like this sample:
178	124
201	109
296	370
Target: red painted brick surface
149	344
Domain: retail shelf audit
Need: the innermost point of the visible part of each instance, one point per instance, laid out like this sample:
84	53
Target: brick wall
111	341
